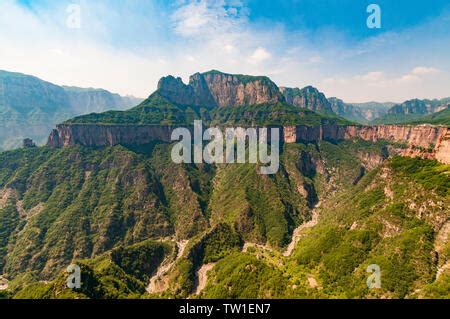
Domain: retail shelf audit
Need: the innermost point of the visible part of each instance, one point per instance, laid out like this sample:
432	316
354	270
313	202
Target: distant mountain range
31	107
360	112
438	118
414	110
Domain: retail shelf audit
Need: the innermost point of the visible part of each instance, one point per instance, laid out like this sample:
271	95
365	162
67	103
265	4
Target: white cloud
207	18
423	70
417	74
229	48
373	76
408	78
259	55
402	85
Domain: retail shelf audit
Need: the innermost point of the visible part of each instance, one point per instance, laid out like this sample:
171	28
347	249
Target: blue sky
347	15
127	45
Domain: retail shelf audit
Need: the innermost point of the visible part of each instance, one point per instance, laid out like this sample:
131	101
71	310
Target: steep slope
88	100
359	112
438	118
53	212
308	98
30	107
390	218
221	98
57	203
373	110
162	111
216	89
176	104
120	273
107	197
417	106
413	110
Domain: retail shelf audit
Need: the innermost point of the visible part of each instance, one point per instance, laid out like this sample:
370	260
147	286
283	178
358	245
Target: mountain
438	118
105	195
115	201
90	100
373	110
30	107
417	106
216	89
312	99
412	110
216	98
308	98
359	112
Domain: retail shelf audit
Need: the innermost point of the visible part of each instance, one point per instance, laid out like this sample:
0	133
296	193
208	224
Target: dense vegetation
244	276
360	226
141	226
103	208
439	118
272	114
123	273
158	110
418	112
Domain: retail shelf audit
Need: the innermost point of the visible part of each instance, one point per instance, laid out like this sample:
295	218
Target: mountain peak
310	89
217	89
308	97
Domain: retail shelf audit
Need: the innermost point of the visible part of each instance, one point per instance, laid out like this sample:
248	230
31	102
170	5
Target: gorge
105	194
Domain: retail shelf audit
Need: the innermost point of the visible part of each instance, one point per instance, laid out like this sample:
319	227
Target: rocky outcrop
217	89
442	148
423	140
107	135
308	98
341	108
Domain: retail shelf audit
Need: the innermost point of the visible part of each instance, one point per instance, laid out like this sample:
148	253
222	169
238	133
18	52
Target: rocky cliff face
309	98
426	141
179	93
417	106
442	148
347	111
107	135
217	89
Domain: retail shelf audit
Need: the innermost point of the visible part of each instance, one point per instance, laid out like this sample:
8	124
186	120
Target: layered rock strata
424	140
